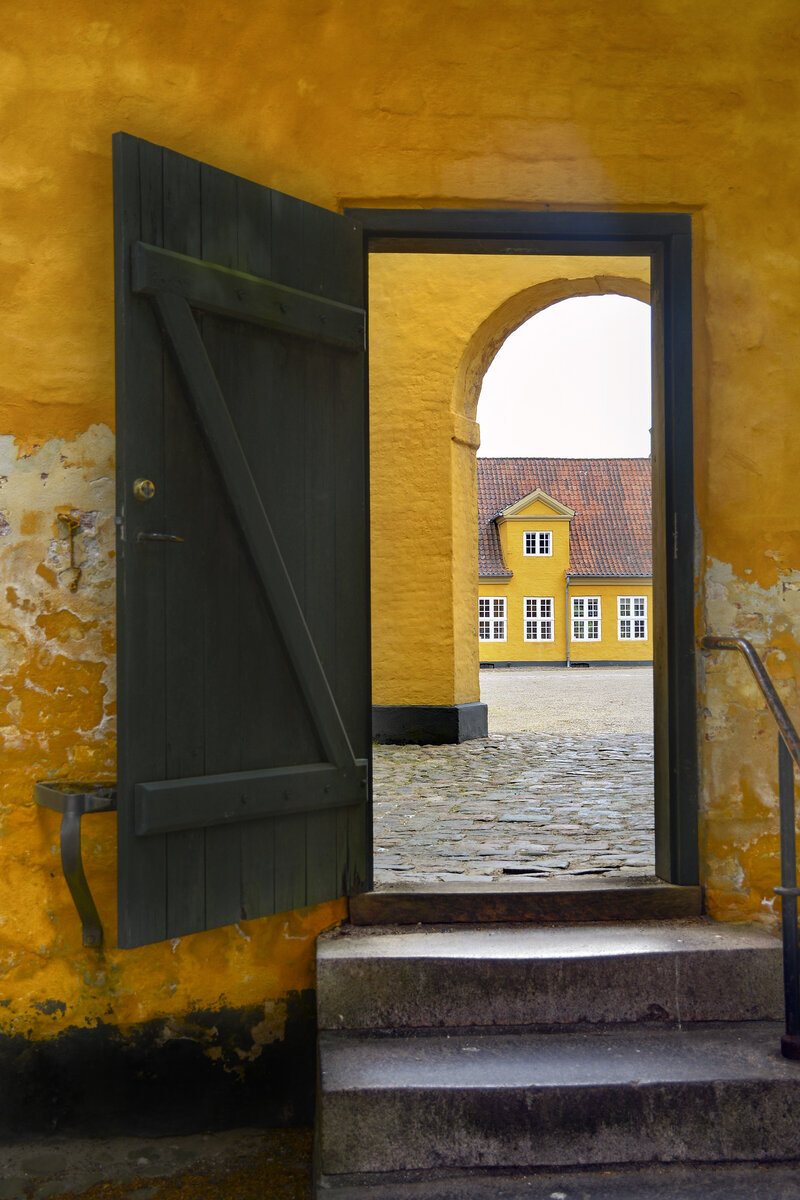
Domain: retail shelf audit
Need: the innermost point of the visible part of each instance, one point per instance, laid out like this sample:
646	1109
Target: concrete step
722	1181
710	1094
617	898
541	976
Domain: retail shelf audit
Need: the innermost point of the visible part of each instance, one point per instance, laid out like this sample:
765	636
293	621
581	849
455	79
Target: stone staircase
505	1060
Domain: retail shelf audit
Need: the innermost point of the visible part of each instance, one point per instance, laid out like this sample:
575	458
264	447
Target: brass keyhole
144	489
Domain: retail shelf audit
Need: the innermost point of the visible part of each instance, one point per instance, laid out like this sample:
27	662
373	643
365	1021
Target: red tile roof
610	533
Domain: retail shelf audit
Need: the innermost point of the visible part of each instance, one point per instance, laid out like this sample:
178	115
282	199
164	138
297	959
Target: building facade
565	561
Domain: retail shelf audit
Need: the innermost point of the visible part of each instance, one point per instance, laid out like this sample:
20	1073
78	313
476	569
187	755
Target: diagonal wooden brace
212	412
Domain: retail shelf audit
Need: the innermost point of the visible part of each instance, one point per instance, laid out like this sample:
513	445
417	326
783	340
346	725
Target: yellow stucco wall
667	107
436	322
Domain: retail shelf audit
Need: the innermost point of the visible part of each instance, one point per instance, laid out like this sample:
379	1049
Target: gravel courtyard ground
563	785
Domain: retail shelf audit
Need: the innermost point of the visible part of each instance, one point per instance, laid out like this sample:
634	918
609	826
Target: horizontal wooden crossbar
212	288
174	805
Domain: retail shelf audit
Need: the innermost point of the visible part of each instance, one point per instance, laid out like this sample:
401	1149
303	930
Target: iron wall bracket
72	800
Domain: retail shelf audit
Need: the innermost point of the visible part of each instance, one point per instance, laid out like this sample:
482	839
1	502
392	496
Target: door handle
157	537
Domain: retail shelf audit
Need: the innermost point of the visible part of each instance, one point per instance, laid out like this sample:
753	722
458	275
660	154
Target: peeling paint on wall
57	720
738	740
57	684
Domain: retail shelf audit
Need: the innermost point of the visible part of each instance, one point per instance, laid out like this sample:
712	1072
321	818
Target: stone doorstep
547	976
417	1103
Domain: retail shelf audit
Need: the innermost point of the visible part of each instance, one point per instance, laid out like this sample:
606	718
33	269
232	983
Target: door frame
667	239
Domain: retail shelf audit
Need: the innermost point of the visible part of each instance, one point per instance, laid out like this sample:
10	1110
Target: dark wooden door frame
667	239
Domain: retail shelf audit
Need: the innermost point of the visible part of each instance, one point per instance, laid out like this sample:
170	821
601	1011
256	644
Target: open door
243	582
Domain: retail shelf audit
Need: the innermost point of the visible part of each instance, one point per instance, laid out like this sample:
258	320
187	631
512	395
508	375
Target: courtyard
563	784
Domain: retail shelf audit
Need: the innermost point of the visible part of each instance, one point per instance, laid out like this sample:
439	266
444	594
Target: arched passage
515	311
478	353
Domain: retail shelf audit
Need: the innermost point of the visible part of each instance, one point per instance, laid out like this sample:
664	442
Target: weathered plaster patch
57	680
57	719
738	742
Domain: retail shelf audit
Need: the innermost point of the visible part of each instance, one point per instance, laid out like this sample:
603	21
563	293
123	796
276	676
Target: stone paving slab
568	797
234	1164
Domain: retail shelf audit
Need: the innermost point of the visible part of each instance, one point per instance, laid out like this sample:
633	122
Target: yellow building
565	574
587	132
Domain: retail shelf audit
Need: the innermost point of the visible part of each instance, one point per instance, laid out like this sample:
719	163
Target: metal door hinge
72	800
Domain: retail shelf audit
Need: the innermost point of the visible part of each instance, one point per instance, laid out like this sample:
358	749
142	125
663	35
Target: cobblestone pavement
563	784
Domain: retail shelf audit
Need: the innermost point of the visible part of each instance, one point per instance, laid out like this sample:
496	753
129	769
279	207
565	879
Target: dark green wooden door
243	647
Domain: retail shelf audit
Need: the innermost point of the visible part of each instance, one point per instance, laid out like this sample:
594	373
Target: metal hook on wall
72	523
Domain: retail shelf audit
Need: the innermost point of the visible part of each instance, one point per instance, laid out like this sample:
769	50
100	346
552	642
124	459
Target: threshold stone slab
532	975
570	899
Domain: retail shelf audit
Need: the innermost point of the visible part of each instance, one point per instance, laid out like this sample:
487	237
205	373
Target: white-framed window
492	618
632	618
539	619
537	541
586	618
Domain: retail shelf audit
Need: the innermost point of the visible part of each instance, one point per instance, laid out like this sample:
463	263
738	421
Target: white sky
571	382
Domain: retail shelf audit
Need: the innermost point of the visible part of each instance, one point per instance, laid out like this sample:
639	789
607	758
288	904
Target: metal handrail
788	749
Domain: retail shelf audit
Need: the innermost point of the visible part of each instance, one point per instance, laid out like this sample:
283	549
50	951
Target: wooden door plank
223	649
352	607
319	505
354	849
186	569
142	878
290	430
264	670
290	863
351	456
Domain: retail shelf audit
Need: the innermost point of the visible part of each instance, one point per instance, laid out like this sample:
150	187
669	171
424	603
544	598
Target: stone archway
515	311
477	356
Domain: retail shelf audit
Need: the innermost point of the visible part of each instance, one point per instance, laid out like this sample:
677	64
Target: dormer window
537	542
